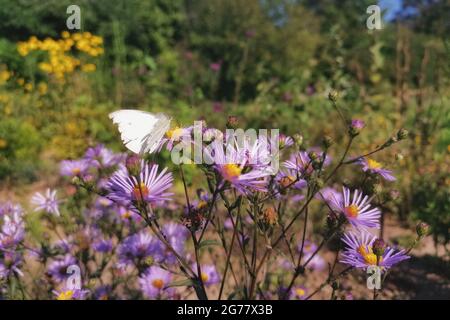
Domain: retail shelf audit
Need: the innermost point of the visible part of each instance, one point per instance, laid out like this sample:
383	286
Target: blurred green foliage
20	149
270	62
431	203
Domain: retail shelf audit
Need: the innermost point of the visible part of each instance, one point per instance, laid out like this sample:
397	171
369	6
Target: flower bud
327	141
390	142
377	188
378	247
399	157
232	122
422	229
298	139
285	141
149	261
394	195
92	283
355	127
332	221
402	134
313	156
333	95
319	183
133	165
77	181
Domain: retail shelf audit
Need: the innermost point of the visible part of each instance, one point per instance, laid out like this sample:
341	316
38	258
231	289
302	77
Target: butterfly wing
136	127
153	138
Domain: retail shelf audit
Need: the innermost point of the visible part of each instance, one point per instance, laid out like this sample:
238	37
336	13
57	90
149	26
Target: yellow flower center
351	211
65	295
140	192
231	171
158	283
300	292
287	181
76	171
126	215
174	133
201	204
204	277
369	257
372	164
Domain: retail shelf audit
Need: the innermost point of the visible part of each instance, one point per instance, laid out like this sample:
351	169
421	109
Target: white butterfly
141	131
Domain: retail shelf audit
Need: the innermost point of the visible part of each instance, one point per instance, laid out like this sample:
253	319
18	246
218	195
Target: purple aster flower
328	194
103	203
64	245
58	268
71	294
285	141
258	153
357	209
102	245
136	248
10	208
174	136
127	215
228	224
102	207
298	293
151	186
74	168
203	195
288	178
86	236
375	167
12	231
286	264
300	162
102	292
235	169
359	252
154	281
209	274
177	235
100	156
296	198
308	247
317	262
358	124
47	202
10	264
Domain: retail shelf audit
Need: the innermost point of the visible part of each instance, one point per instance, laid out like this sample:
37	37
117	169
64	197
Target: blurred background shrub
270	62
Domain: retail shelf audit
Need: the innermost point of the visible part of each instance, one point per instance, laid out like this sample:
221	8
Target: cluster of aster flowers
119	223
12	234
108	235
